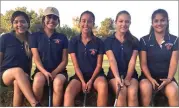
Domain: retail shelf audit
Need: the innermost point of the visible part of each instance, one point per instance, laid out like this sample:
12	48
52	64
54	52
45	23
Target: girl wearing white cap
49	49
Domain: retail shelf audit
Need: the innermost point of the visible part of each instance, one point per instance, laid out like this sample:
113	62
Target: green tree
69	32
106	27
6	23
75	21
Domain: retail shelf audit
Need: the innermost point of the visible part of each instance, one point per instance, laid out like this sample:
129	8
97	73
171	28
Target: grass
71	72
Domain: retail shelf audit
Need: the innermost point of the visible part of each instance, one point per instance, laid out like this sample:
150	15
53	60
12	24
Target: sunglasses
52	17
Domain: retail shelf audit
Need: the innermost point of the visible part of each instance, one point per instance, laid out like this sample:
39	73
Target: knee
133	93
68	93
58	85
39	81
145	86
103	86
172	90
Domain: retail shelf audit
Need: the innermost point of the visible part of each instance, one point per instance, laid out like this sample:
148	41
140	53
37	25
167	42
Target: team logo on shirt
57	41
168	45
92	51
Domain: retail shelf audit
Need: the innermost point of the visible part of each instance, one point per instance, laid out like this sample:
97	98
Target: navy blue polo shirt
122	52
14	54
158	56
50	48
86	55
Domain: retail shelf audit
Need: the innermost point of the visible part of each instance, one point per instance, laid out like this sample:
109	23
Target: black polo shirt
122	52
158	56
50	48
86	55
14	54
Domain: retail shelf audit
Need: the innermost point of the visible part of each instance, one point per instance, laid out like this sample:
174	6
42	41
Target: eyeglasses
52	17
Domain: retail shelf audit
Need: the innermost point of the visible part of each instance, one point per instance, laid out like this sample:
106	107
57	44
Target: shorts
63	73
87	78
1	80
111	76
156	78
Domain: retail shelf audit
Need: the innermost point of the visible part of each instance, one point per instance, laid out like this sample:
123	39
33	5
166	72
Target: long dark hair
20	13
90	13
26	43
128	36
165	15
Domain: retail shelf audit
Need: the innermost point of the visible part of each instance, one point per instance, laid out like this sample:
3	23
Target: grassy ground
70	67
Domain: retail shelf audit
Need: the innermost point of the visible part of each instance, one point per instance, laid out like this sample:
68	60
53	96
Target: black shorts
156	78
111	76
87	78
1	80
50	70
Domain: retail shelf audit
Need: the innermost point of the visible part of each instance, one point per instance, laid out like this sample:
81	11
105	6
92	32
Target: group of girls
158	52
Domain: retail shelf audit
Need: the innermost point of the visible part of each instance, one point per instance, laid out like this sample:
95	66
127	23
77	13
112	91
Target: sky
140	11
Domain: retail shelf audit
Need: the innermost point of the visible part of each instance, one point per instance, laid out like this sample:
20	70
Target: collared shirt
158	56
14	54
86	54
122	52
50	49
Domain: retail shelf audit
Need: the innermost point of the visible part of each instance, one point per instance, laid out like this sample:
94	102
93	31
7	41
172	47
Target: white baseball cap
51	10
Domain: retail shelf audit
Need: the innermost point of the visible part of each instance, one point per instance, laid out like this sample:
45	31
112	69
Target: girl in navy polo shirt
49	49
86	52
15	59
159	59
122	50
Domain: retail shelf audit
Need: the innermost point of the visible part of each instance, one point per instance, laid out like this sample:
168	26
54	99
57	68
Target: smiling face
159	23
20	25
123	22
51	21
86	23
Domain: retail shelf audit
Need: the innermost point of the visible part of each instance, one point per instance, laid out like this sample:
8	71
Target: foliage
67	31
6	23
106	27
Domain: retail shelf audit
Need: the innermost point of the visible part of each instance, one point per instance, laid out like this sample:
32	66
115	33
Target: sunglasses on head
54	17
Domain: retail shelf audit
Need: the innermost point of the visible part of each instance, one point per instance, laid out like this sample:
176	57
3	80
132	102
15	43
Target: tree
75	21
67	31
106	27
76	26
6	23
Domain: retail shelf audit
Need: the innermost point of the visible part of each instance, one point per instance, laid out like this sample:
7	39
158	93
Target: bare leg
133	93
38	85
23	82
145	92
73	88
171	91
100	84
18	98
58	86
121	102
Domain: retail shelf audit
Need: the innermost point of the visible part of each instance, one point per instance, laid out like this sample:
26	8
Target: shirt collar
113	35
79	37
13	33
152	37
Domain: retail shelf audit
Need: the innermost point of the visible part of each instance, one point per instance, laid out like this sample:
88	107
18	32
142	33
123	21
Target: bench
6	98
